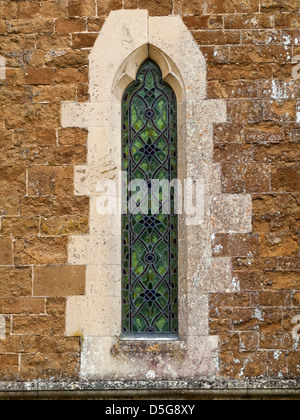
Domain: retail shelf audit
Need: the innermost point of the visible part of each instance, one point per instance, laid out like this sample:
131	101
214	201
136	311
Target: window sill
150	338
162	346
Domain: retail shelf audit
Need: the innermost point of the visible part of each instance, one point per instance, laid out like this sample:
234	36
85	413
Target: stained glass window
150	250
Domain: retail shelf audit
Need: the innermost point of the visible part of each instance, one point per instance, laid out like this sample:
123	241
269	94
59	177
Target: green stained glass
150	253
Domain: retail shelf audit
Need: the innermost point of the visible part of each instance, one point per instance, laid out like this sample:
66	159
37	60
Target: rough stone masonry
251	49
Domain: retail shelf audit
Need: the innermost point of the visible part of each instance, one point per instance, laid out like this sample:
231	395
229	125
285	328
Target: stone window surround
127	39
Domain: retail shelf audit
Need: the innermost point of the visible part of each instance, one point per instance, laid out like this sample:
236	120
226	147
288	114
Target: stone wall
249	47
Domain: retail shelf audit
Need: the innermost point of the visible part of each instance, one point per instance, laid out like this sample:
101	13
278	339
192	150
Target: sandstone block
41	251
279	245
56	9
67	26
245	178
82	8
20	226
38	325
189	7
157	7
28	10
22	306
15	282
86	40
282	280
9	366
249	342
59	281
52	366
56	306
234	245
40	76
286	178
217	37
50	180
6	253
236	6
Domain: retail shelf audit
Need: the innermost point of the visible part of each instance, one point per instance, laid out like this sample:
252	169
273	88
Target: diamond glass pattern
149	149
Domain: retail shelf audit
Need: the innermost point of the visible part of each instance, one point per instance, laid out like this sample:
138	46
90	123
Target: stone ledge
213	387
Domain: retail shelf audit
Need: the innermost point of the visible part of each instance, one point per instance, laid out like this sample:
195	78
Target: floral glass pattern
150	250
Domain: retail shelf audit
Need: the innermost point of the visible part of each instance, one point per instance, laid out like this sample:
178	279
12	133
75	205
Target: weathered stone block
232	213
6	251
13	182
235	245
53	366
65	225
54	9
245	178
50	180
15	282
106	6
56	306
277	280
40	76
279	245
217	37
68	26
38	325
236	6
84	40
22	305
249	342
9	367
82	8
285	178
59	281
41	251
189	7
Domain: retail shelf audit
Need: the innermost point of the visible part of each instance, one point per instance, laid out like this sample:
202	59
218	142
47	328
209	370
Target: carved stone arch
128	38
129	68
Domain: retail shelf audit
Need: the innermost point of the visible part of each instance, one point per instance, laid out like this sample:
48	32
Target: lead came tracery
150	254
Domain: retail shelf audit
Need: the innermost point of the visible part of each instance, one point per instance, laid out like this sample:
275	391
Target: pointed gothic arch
128	38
